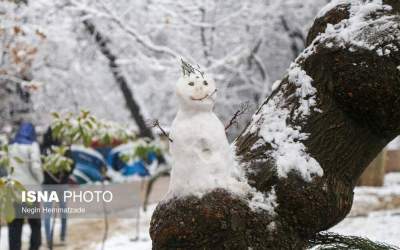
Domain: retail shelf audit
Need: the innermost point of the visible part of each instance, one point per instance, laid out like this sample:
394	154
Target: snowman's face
196	90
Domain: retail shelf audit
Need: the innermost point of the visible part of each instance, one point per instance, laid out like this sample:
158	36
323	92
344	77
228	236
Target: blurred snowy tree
19	44
247	45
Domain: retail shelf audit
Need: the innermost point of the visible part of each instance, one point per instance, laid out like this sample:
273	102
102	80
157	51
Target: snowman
202	158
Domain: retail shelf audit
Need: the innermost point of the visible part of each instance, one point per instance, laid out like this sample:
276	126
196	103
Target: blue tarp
137	167
89	165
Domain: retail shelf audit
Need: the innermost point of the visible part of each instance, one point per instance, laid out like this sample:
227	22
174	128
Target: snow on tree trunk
308	143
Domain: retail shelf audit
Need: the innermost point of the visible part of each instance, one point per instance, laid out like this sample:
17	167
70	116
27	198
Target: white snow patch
271	121
383	52
391	190
260	201
348	33
126	237
288	150
329	45
380	226
275	85
393	179
305	91
122	242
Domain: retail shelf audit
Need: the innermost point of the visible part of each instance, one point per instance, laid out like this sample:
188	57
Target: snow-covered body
201	155
202	158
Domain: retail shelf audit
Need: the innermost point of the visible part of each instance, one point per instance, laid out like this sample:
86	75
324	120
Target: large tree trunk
355	114
131	103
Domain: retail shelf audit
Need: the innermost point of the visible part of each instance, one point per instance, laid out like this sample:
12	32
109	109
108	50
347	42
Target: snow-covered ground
381	225
128	239
375	213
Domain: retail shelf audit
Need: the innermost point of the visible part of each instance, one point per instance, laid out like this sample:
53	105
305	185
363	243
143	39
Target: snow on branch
350	33
145	41
288	151
244	107
216	23
271	120
271	123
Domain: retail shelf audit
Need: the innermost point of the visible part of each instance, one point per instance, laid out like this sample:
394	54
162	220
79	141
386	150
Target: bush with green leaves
86	129
140	150
57	161
10	189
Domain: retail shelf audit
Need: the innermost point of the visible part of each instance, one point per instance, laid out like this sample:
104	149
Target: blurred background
65	52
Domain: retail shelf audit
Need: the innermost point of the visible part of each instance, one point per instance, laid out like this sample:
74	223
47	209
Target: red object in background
99	144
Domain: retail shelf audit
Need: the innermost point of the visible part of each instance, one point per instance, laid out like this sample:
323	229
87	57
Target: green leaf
87	140
55	115
18	186
56	131
5	148
107	140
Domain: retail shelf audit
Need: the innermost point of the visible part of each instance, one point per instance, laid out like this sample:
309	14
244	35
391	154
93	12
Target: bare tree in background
18	49
120	79
242	43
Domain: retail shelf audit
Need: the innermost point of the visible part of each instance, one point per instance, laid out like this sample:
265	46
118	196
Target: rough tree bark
356	115
131	103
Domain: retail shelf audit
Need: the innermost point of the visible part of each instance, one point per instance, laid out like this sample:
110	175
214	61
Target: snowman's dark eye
191	83
205	83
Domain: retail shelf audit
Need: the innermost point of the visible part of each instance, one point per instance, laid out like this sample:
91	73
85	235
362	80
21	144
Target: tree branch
244	107
155	124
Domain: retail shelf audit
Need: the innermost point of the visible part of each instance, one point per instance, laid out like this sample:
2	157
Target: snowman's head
196	90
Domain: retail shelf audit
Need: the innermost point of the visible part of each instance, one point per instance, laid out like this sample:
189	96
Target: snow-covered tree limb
308	143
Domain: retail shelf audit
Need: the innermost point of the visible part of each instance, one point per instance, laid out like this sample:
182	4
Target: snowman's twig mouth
204	97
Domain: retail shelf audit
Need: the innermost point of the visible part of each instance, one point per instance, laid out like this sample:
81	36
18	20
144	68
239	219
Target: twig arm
234	120
156	123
